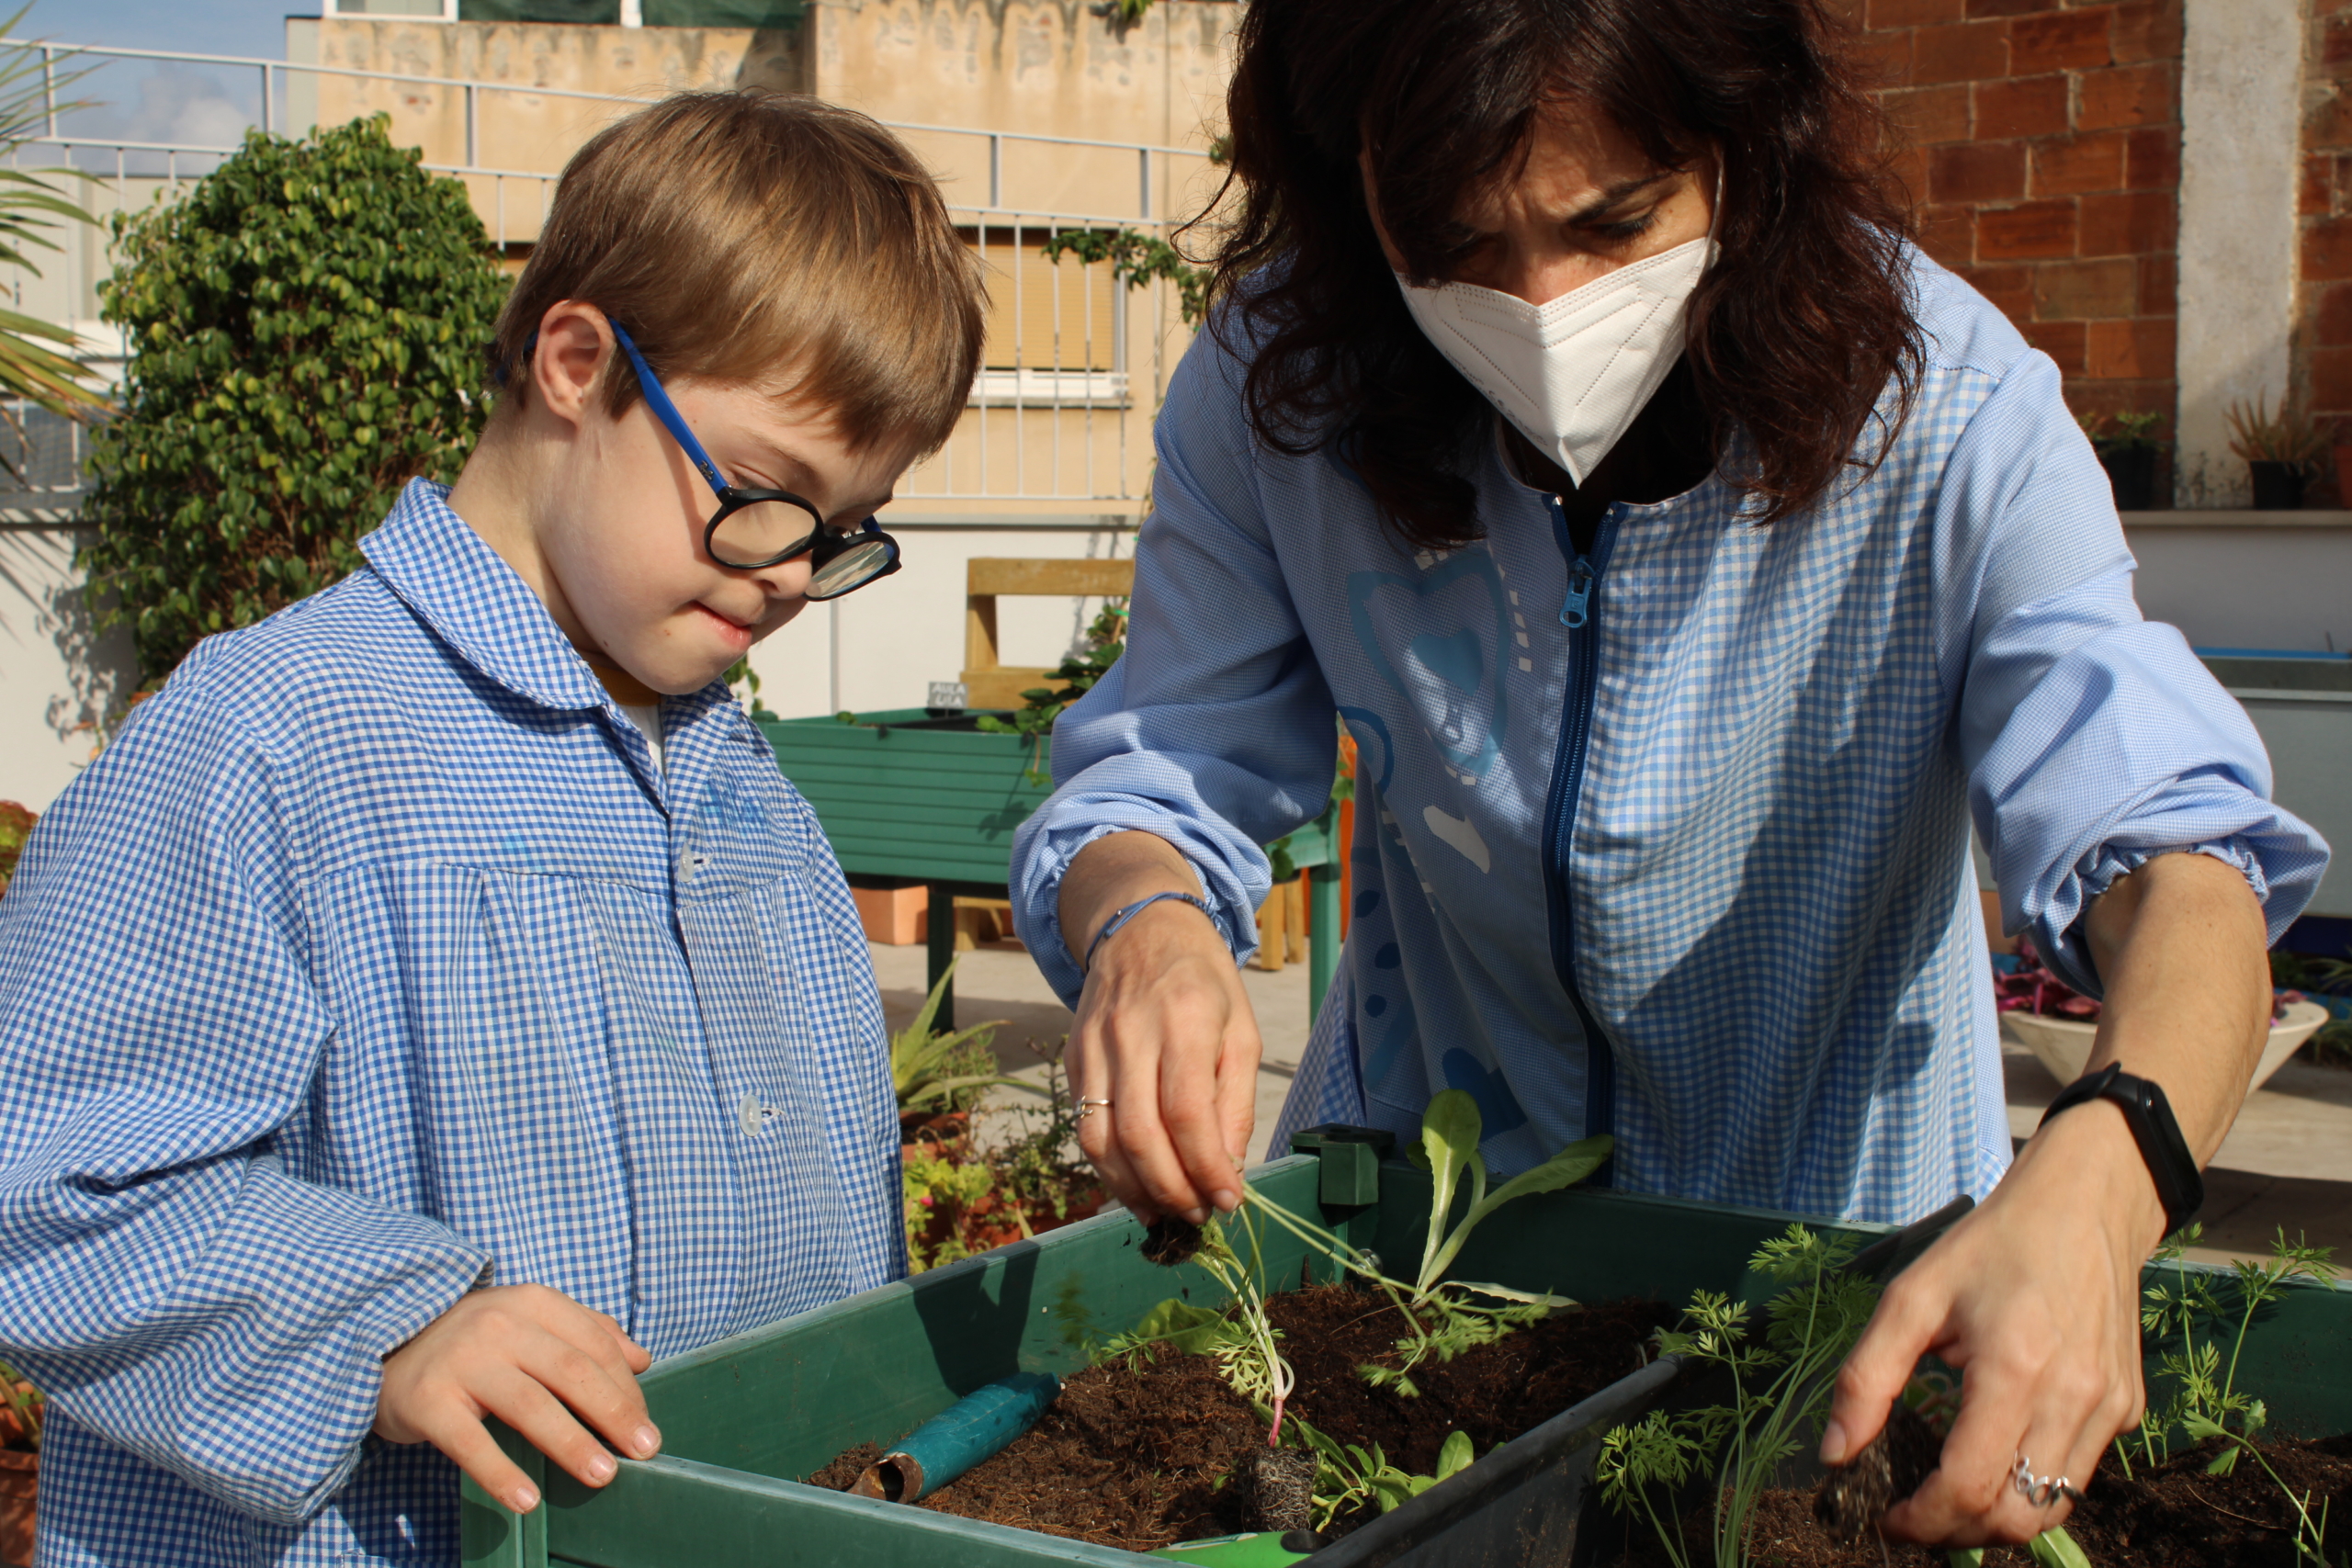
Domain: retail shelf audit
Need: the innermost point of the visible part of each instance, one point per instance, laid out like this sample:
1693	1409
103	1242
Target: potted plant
2128	453
2057	1024
20	1412
2280	453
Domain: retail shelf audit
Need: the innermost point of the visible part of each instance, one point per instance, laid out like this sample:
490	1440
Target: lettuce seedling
1444	1323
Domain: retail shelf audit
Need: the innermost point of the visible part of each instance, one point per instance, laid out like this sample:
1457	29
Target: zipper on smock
1579	613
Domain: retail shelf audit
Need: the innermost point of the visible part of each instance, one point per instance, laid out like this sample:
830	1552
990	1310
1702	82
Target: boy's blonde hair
769	239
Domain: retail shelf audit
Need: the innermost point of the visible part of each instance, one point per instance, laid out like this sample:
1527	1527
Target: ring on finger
2042	1491
1089	1106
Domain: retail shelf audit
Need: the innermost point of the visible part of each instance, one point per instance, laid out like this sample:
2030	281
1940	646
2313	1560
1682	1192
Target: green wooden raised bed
742	1417
912	798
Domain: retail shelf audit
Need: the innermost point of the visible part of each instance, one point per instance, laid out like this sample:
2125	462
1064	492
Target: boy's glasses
755	528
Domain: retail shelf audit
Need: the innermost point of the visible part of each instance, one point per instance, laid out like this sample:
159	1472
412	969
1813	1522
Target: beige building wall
1039	68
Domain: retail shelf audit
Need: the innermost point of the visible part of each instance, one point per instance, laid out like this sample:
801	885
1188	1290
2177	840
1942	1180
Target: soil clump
1144	1456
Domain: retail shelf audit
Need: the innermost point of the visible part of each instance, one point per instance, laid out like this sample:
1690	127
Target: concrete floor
2288	1161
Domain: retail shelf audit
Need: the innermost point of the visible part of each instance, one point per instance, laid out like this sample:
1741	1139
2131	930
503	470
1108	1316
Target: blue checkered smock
1693	868
376	960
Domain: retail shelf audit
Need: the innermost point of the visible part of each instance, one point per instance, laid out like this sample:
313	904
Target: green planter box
742	1417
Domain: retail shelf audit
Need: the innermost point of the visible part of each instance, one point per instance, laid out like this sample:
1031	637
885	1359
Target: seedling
1444	1323
1241	1338
2206	1402
1347	1475
1808	1330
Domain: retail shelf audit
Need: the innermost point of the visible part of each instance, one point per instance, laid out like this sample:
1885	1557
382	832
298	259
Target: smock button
750	1115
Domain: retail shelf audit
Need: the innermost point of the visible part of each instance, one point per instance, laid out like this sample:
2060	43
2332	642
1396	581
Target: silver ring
2042	1491
1089	1106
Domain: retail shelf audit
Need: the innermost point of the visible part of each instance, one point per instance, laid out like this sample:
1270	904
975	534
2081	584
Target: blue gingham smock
1731	808
374	961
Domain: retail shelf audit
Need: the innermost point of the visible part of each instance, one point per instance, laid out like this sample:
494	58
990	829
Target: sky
183	104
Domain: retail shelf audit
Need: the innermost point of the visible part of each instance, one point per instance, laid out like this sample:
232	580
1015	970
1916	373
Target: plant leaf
1450	1129
1455	1455
2056	1548
1567	1167
1189	1329
1504	1293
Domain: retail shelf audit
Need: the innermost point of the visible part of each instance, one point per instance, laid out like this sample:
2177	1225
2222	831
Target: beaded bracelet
1121	917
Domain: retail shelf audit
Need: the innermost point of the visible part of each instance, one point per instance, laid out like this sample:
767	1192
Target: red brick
2107	398
2328	121
1884	59
1949	234
2065	41
1976	170
1978	9
2035	231
2062	341
1884	13
2335	42
2131	224
2035	106
2146	30
2327	250
2331	324
2159	285
1928	115
2010	288
2152	159
2072	165
1909	166
2315	191
2127	94
1846	13
2086	291
2332	380
1966	52
2129	350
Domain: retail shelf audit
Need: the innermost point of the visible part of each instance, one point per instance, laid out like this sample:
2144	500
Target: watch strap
2180	1187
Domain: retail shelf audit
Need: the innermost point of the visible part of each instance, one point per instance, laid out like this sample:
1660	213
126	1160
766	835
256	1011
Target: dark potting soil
2172	1517
1138	1459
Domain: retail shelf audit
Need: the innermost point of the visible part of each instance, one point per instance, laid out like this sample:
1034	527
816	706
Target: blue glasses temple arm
667	411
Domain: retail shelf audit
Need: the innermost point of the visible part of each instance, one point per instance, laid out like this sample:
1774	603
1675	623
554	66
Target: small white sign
947	694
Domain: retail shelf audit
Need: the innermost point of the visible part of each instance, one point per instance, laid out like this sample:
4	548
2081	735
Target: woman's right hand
1164	1032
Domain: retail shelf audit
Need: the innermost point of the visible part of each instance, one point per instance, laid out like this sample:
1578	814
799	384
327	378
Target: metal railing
1062	411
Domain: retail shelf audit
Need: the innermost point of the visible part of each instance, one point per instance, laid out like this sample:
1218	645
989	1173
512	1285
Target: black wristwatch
2179	1186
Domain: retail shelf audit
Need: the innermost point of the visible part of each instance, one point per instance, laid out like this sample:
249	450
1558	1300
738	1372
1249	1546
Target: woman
1690	557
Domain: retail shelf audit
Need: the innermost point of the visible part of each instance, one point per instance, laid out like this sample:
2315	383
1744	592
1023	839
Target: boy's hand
534	1357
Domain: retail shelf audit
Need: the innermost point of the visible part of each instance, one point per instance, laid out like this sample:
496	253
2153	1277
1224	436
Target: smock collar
474	602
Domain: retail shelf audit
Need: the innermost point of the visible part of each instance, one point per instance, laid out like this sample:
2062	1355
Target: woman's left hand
2034	1298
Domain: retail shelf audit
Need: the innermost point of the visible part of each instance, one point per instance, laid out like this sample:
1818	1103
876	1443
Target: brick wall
2043	150
2323	368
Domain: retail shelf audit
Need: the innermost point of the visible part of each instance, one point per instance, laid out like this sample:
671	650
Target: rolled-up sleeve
1215	731
163	1278
2094	739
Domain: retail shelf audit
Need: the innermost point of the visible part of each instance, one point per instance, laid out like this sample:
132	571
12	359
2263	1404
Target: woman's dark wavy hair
1793	335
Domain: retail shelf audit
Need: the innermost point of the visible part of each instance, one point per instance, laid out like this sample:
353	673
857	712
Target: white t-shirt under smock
647	716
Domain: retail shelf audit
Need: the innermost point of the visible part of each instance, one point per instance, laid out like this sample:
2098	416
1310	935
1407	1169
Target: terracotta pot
2063	1044
19	1471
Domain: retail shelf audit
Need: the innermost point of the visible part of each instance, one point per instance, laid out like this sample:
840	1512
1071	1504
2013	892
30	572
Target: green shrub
306	329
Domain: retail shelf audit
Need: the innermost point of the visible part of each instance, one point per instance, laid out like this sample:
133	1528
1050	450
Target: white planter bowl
2063	1044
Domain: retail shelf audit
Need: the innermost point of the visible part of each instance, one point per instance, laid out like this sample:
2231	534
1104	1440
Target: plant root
1856	1495
1281	1486
1171	1241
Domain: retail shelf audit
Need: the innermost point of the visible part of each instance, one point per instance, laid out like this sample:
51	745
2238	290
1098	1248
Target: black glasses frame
821	545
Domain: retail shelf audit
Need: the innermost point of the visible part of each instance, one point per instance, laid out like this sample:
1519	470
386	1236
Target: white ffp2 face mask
1571	373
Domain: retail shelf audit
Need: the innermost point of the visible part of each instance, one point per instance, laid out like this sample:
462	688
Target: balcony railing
1075	361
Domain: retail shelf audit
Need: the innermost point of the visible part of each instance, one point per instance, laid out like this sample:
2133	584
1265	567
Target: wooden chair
988	685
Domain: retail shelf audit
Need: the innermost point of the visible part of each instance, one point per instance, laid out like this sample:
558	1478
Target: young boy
437	1005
